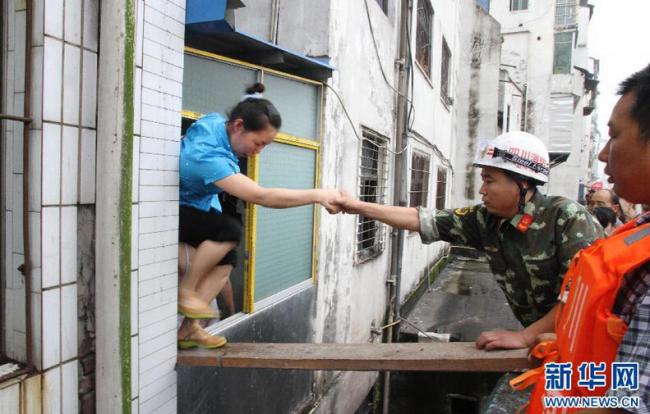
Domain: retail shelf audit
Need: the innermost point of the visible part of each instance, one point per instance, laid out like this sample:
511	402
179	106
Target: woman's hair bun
255	88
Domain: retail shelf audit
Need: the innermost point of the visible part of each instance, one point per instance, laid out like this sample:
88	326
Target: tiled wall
62	195
159	77
64	131
14	86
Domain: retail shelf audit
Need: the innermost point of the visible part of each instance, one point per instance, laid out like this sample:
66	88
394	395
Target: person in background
606	217
607	198
208	165
528	238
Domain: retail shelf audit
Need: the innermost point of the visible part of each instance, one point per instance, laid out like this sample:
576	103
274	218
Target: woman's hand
328	199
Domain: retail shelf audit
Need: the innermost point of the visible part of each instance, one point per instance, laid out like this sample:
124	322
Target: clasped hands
337	201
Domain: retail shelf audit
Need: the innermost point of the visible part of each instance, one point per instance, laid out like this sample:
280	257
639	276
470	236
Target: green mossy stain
125	205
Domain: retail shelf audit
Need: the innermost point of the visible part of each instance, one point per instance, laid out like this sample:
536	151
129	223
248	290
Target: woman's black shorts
196	226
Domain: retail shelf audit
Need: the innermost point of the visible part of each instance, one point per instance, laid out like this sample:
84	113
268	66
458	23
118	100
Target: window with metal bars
565	13
441	188
423	36
518	5
373	176
444	72
418	194
383	4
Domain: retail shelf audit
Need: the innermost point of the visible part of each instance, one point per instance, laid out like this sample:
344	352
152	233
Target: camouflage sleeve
460	226
577	229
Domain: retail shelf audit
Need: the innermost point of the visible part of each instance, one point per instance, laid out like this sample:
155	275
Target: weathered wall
476	102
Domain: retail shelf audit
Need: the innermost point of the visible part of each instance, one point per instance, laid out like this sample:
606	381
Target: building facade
548	85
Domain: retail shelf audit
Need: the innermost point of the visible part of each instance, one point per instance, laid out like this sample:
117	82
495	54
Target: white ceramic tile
163	383
18	109
137	101
50	231
71	83
72	21
37	86
52	391
54	18
51	327
51	166
135	189
134	302
135	406
10	399
70	387
91	24
135	367
68	322
9	93
52	83
89	89
69	165
34	171
19	38
87	160
138	34
17	222
68	244
11	24
135	220
37	321
35	242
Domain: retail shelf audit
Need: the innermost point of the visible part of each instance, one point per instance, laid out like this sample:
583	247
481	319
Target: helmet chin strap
522	197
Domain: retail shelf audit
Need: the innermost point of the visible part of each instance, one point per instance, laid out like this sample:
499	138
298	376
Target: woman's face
247	143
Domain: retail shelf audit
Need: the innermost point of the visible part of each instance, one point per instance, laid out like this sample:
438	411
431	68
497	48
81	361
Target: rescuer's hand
501	339
346	203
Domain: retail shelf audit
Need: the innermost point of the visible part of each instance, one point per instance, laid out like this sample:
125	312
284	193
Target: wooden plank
454	356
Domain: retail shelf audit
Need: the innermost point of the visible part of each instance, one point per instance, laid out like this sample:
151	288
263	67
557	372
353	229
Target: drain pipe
399	185
275	21
113	203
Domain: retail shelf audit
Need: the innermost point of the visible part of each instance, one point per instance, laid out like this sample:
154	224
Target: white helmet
516	151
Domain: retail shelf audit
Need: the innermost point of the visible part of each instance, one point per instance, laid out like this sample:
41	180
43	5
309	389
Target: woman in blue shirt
209	166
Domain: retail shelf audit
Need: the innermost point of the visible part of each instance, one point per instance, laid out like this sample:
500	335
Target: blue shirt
206	156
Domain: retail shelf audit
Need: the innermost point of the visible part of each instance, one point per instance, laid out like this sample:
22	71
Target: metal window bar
373	179
418	193
424	35
441	188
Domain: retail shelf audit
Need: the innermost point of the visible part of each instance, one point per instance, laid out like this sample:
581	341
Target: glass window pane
284	243
562	52
298	103
213	86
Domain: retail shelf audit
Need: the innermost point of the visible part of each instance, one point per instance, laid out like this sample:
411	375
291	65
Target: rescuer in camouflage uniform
529	238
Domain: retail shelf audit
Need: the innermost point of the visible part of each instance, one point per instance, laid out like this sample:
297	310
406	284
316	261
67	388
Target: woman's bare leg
213	282
205	259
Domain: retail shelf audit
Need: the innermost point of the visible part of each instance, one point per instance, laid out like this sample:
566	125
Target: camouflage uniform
529	265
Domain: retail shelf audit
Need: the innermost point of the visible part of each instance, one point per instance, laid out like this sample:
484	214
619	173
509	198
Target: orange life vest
586	329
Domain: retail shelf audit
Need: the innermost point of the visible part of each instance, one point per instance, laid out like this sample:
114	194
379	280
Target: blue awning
207	28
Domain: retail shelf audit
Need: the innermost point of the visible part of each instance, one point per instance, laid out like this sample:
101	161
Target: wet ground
463	301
